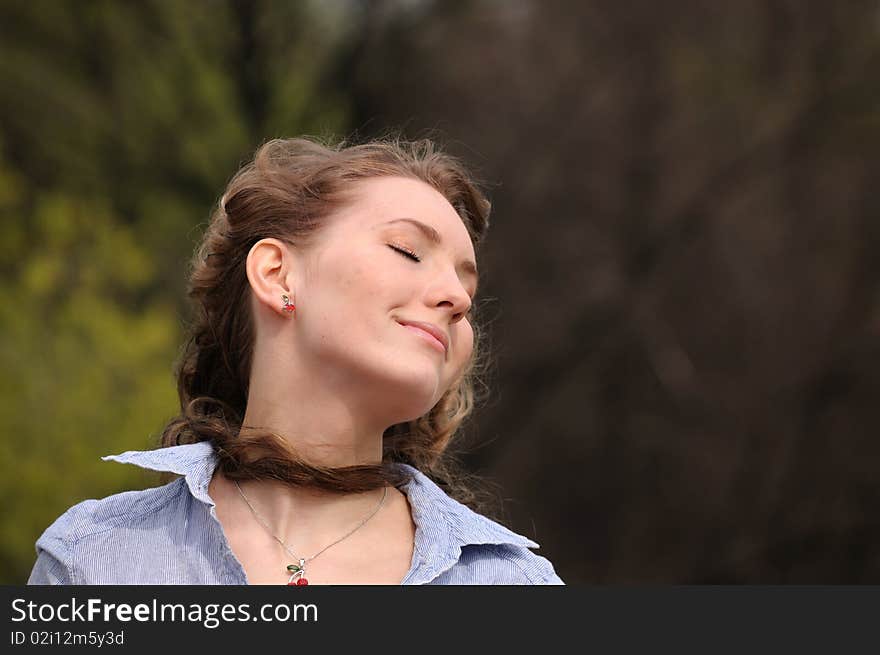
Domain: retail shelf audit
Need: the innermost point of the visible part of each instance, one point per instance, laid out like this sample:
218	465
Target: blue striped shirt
171	535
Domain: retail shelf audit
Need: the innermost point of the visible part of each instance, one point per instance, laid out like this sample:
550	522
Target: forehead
377	203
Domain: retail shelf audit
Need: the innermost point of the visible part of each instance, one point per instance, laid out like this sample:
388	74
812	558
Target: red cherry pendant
302	581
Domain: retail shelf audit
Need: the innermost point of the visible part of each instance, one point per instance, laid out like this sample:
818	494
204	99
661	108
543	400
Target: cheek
334	297
465	341
356	295
366	277
351	281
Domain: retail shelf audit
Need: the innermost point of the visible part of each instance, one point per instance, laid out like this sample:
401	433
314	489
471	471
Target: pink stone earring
288	306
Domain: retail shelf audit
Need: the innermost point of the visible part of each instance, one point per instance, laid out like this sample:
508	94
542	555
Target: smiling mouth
428	338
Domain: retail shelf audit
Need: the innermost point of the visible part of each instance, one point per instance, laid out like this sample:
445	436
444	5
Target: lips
431	329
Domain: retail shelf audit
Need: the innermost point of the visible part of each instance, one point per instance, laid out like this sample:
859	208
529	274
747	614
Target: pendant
297	574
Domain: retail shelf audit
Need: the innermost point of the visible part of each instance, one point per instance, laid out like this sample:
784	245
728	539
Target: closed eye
406	252
409	254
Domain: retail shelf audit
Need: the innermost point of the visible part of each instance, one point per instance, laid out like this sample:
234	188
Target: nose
454	296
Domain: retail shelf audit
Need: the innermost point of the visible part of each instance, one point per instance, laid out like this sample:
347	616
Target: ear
270	272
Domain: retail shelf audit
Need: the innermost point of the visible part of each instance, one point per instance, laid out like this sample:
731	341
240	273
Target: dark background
681	278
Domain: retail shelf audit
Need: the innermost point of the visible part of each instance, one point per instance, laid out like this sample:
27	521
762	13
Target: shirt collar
196	462
432	507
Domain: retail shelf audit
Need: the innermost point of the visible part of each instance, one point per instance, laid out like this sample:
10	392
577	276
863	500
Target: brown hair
286	192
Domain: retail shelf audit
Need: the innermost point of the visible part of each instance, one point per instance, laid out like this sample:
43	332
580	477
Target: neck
330	415
324	430
307	518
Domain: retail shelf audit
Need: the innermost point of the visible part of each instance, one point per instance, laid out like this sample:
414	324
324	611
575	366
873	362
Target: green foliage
123	123
87	367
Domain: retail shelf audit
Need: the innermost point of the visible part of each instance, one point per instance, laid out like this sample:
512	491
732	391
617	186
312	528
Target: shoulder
97	515
503	563
67	540
462	546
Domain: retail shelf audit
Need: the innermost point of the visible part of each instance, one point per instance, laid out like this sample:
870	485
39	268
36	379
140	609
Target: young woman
331	360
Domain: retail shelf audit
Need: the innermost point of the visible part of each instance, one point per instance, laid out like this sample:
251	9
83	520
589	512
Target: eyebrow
434	237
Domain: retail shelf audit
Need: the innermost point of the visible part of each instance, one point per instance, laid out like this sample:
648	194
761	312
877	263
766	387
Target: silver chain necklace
298	571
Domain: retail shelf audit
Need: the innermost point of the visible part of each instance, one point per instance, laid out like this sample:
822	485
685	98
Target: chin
416	391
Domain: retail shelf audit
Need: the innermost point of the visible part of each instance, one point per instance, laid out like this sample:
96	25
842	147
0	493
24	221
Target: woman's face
368	272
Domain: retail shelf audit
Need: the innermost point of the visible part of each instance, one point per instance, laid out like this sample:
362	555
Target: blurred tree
120	125
684	245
